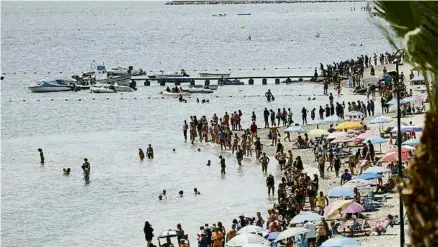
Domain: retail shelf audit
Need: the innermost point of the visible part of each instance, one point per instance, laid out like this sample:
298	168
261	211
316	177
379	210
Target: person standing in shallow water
304	115
222	163
185	129
270	182
150	152
264	160
148	233
41	156
140	154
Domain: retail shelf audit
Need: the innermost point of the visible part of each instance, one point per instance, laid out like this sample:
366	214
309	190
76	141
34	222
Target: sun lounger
356	230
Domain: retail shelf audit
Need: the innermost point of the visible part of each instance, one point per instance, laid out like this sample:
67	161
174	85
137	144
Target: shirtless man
281	157
150	152
264	160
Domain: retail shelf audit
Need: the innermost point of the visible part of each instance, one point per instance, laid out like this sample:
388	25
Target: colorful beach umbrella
412	142
393	157
368	176
409	128
333	208
303	216
340	241
319	132
364	135
377	169
404	149
349	125
341	192
353	208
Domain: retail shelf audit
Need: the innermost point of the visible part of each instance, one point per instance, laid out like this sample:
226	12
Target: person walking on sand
258	147
266	117
312	113
270	183
264	160
140	154
321	165
148	233
41	156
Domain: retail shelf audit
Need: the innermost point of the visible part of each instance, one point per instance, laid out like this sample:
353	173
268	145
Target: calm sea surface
40	207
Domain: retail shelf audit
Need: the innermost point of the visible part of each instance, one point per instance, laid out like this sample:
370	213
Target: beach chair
356	230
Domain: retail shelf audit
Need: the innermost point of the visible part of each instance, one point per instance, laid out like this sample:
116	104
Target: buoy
38	100
66	99
93	98
79	99
24	100
51	99
107	98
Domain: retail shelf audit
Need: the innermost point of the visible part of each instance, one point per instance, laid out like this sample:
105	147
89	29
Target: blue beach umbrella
411	142
271	236
340	191
375	140
377	169
303	216
340	242
368	176
380	120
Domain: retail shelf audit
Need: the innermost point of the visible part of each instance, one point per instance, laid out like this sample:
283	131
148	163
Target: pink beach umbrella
404	149
353	208
364	136
393	157
343	140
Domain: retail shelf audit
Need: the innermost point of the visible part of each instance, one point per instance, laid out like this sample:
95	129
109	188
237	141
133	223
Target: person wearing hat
86	165
41	155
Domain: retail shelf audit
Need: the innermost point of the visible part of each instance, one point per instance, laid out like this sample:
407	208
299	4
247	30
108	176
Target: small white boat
165	93
106	88
49	86
217	75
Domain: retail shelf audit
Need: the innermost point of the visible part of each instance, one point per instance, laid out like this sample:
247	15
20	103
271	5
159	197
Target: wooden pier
221	80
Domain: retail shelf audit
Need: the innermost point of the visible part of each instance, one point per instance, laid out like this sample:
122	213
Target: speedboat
125	71
166	93
50	86
107	88
217	75
163	75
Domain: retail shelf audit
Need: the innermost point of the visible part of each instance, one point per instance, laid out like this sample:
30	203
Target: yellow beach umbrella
334	207
319	132
349	125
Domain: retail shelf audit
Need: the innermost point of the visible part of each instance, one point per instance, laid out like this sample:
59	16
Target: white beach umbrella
333	118
246	238
291	232
356	114
251	229
296	128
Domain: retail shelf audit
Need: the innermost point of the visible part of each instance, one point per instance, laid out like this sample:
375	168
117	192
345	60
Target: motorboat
100	75
216	75
107	88
219	15
166	93
244	14
163	75
50	86
228	82
197	90
125	71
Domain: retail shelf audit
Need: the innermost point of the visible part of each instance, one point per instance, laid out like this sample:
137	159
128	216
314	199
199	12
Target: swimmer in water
66	171
174	150
199	150
140	154
196	191
208	163
181	193
160	197
41	156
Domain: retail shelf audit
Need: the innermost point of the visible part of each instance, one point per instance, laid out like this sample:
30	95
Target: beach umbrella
333	118
271	236
394	124
381	119
353	208
393	157
358	183
412	142
168	233
355	114
417	78
246	238
342	140
251	229
377	169
340	191
296	128
375	140
333	208
319	132
340	241
409	100
315	122
349	125
303	216
364	135
255	245
408	128
368	176
291	232
404	149
337	134
393	102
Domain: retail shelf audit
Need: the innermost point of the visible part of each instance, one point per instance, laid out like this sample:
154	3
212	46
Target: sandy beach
392	236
